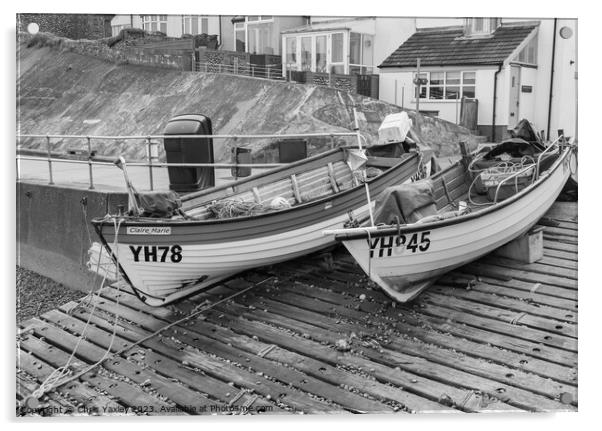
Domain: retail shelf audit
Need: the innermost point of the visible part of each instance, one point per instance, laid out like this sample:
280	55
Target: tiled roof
447	47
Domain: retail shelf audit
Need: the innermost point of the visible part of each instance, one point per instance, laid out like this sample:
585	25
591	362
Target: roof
447	46
326	25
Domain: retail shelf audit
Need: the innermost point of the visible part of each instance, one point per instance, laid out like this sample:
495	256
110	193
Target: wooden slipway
317	337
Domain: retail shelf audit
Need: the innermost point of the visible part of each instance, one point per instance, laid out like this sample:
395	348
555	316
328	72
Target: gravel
37	294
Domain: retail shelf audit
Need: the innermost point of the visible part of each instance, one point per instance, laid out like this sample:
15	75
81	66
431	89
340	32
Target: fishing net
231	208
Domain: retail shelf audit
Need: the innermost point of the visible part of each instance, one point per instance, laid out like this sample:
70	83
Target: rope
54	379
45	387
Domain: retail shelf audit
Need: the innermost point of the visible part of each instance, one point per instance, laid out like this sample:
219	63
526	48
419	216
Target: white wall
402	79
390	33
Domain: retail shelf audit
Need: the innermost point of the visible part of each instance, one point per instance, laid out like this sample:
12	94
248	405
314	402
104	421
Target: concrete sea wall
53	224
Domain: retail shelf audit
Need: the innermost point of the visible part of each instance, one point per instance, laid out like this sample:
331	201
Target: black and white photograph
295	214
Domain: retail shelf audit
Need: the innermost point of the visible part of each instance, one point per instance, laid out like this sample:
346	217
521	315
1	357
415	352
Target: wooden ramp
314	336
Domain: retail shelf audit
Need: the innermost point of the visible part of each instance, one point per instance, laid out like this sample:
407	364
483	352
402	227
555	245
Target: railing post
219	68
253	71
268	71
49	160
90	163
150	162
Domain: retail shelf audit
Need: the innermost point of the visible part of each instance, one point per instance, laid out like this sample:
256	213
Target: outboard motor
189	150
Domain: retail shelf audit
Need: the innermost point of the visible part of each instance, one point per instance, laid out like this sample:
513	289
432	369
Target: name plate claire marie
149	230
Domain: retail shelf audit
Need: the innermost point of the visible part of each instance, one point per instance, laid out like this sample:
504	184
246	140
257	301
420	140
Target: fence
269	71
151	158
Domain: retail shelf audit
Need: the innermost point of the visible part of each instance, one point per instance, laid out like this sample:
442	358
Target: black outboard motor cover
189	150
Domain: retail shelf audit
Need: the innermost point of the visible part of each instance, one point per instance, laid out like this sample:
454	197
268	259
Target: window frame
462	85
158	20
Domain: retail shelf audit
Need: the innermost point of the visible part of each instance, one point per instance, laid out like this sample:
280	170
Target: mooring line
44	389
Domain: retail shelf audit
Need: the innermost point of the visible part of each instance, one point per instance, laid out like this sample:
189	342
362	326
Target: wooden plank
87	400
561	246
463	325
565	307
564	256
431	389
507	274
485	275
296	399
332	178
309	316
295	186
172	369
507	302
536	267
515	396
133	396
309	381
415	328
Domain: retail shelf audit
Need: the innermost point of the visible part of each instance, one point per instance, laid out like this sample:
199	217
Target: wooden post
150	162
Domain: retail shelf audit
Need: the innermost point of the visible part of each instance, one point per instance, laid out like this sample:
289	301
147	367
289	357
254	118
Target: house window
306	53
194	24
255	35
480	26
240	37
154	23
337	56
291	53
448	85
321	60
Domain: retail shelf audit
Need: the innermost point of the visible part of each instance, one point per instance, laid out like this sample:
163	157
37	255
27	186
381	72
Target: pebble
362	297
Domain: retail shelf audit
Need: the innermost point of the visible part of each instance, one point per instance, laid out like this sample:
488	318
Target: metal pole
402	95
49	161
268	72
90	162
417	87
359	144
150	163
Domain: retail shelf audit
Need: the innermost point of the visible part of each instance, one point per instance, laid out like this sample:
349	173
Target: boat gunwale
163	222
362	233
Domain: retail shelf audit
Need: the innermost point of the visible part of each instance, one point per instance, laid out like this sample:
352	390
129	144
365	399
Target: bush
41	40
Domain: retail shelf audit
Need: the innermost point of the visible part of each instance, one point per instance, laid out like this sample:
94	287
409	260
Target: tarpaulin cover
407	203
158	204
516	148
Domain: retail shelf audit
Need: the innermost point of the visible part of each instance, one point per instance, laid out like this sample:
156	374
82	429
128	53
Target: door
514	95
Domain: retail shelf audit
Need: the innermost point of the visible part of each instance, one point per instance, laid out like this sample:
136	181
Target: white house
171	25
343	45
507	66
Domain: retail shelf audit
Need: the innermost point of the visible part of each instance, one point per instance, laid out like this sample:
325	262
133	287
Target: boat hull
165	260
404	262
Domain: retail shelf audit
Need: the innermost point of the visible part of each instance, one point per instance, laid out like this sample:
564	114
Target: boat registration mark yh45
149	230
396	244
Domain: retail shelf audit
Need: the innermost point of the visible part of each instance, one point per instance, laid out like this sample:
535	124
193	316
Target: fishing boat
261	220
459	214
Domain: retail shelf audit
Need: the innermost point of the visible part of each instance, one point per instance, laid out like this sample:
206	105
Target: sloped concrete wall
53	224
61	91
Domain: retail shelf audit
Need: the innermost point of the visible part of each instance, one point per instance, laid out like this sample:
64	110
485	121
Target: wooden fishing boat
406	258
165	259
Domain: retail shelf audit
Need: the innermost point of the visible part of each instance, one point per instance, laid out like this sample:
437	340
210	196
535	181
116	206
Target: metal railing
152	160
269	71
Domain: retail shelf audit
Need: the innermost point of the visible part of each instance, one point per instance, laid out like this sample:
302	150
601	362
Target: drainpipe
219	21
499	69
552	78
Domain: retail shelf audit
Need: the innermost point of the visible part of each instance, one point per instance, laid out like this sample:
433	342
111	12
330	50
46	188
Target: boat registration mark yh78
149	230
